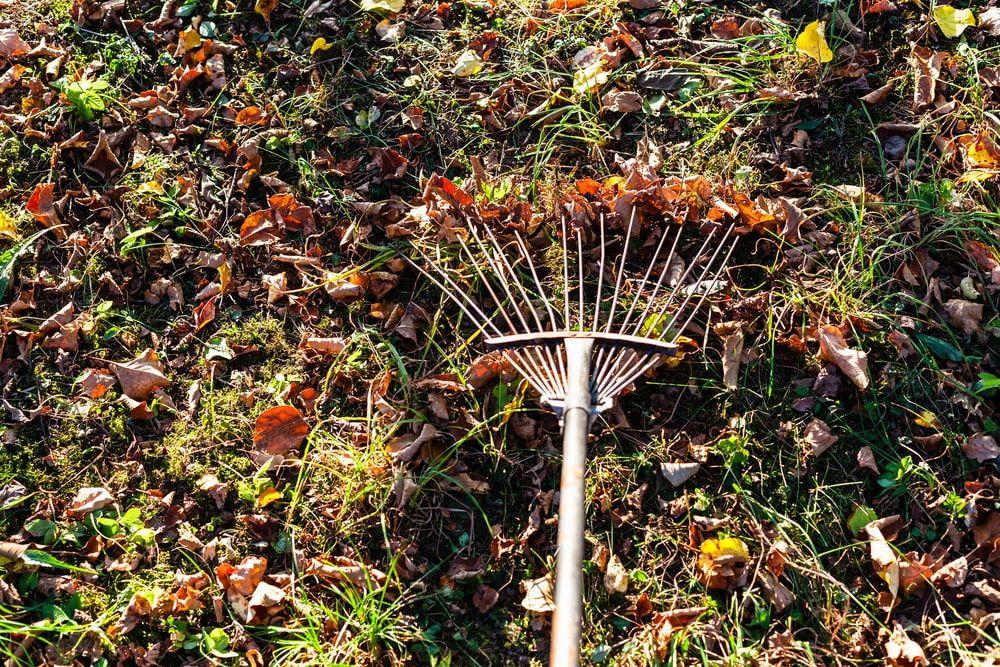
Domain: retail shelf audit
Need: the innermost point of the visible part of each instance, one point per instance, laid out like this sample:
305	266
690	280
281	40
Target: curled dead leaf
818	437
833	348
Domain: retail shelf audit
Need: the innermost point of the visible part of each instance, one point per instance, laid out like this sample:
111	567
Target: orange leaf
280	429
41	205
251	115
565	5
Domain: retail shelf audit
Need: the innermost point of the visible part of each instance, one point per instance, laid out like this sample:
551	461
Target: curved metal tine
602	353
633	365
600	278
579	263
489	286
565	248
697	306
522	246
553	368
556	366
626	380
493	294
481	321
526	255
629	357
701	279
621	272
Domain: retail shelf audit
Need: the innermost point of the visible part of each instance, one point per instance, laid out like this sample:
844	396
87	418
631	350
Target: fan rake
579	332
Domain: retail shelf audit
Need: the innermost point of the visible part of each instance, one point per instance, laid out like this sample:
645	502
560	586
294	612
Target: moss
209	444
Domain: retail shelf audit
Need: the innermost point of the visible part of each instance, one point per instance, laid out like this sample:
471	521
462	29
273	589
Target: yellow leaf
812	42
8	226
722	563
951	21
265	7
589	78
383	5
320	44
468	64
268	496
150	188
927	419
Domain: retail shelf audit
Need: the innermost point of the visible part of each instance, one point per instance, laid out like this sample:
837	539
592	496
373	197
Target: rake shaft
577	412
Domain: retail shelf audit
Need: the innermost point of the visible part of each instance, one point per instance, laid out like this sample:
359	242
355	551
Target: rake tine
630	355
602	353
635	363
489	288
481	322
704	295
600	277
565	254
579	263
523	248
552	366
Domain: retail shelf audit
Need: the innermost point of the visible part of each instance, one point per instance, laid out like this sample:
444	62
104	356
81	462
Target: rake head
632	297
579	328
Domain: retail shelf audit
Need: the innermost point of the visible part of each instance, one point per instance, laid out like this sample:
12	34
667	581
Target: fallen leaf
268	496
966	315
678	473
952	574
981	447
901	651
468	64
779	595
866	459
590	77
484	598
566	5
142	376
953	22
243	578
538	595
103	160
319	44
41	205
280	429
833	348
732	354
883	557
95	383
615	576
251	115
928	65
323	345
722	563
390	32
812	42
393	6
818	437
265	8
89	499
11	44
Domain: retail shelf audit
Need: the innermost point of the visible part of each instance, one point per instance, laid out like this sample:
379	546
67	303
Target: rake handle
567	618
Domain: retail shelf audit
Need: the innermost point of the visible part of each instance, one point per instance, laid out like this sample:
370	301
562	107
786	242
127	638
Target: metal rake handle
577	411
